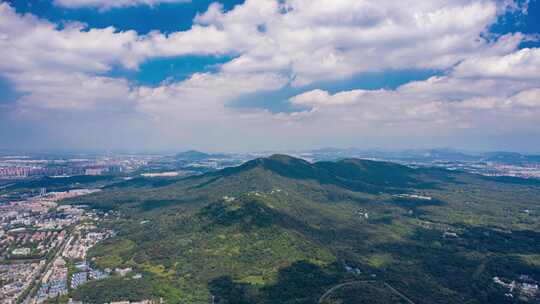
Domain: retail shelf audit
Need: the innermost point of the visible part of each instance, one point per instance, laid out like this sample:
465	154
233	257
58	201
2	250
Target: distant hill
440	154
192	155
511	158
450	154
284	230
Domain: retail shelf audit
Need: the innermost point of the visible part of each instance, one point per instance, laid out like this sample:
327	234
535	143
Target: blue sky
167	17
218	75
155	71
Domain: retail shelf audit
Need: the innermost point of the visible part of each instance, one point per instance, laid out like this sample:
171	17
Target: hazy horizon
269	151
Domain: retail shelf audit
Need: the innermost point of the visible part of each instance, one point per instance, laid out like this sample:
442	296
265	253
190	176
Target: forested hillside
283	230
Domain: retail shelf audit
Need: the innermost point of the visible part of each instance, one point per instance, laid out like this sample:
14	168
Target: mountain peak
286	159
352	174
191	154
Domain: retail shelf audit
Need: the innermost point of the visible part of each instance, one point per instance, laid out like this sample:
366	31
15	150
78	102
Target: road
329	291
398	293
28	298
334	288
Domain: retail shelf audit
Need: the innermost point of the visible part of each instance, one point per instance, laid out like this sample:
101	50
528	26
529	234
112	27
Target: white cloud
73	91
323	98
325	40
199	40
291	37
384	107
204	94
63	67
529	98
28	43
438	102
486	84
523	64
108	4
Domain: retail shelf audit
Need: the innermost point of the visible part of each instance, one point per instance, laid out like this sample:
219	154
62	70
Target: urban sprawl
44	245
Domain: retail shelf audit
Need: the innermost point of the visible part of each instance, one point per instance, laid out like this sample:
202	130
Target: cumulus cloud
204	94
525	100
296	38
325	40
319	97
108	4
73	91
29	43
523	64
63	67
439	102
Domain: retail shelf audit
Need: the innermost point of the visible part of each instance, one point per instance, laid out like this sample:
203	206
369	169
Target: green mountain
283	230
193	155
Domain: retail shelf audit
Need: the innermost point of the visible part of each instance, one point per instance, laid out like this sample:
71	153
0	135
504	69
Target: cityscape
44	245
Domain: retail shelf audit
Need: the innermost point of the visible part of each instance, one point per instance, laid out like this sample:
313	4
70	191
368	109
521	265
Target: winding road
336	287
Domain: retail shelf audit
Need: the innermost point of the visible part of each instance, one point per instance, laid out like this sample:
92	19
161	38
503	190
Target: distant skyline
255	75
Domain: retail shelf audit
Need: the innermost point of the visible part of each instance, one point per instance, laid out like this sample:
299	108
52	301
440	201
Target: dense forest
283	230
